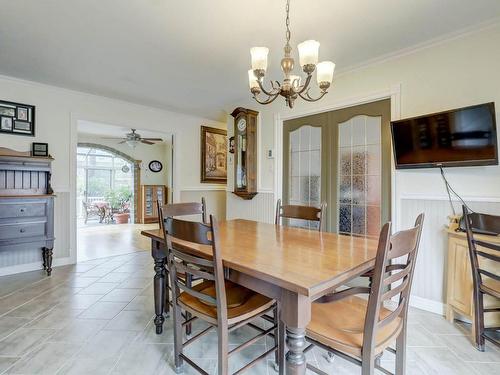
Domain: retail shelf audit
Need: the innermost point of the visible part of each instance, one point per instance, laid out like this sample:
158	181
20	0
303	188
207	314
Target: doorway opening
117	169
105	185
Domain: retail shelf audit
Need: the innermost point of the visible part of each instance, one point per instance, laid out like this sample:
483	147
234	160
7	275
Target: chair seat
242	303
340	325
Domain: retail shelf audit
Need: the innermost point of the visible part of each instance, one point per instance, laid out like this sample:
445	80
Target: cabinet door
460	288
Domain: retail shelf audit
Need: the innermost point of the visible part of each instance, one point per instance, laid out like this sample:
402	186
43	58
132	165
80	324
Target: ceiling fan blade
122	142
153	139
113	138
147	142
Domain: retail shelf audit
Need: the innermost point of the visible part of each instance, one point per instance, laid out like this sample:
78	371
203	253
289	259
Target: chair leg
368	364
223	350
167	294
177	338
189	282
401	352
479	321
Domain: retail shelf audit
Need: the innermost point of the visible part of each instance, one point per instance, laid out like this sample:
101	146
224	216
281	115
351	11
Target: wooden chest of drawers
26	204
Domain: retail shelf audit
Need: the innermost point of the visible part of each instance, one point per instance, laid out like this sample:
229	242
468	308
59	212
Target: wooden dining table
292	265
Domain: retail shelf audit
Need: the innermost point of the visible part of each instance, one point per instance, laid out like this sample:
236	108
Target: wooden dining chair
225	306
484	266
177	210
310	213
359	329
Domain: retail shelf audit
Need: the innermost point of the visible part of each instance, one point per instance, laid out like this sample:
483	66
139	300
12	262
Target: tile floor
96	318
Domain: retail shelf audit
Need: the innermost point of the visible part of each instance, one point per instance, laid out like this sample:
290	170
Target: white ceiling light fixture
291	88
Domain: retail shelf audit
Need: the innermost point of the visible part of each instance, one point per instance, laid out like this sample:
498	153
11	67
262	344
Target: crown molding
443	39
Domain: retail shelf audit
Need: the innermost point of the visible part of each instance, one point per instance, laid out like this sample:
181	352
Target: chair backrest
391	279
180	209
480	259
310	213
180	260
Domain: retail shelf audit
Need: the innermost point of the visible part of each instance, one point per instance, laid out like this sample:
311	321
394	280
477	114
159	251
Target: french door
342	158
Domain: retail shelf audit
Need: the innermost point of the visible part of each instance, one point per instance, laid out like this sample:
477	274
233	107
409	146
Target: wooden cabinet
245	153
150	194
459	296
26	204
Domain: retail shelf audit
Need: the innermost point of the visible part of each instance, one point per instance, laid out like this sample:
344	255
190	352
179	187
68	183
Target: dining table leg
296	314
159	284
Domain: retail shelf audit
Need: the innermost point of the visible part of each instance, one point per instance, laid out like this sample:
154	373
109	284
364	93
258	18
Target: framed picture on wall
213	155
17	118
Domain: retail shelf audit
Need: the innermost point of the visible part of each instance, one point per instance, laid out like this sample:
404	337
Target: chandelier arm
273	92
270	99
305	86
309	98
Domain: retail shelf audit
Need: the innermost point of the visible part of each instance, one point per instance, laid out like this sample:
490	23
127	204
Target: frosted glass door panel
359	187
305	169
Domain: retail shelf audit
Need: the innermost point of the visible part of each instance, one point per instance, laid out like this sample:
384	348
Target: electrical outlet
270	154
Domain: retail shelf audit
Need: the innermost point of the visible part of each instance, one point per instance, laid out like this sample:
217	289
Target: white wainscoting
429	284
22	260
260	208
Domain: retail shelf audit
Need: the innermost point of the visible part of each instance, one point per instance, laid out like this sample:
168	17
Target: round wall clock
155	166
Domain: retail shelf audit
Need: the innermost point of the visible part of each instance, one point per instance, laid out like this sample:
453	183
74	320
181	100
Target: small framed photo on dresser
40	149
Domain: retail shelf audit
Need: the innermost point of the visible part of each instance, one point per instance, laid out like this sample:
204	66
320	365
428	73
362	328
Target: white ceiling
104	130
192	55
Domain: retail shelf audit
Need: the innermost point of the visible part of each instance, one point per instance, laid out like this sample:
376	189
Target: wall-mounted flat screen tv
461	137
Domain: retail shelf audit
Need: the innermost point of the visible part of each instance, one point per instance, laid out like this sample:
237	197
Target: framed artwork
40	149
17	119
213	155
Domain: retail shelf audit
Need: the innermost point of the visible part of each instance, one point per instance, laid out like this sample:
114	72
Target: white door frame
75	118
393	93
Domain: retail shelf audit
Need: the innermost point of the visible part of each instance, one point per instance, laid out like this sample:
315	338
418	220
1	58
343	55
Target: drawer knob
22	210
22	230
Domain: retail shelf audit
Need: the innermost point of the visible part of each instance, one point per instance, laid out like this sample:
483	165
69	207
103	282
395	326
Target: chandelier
291	88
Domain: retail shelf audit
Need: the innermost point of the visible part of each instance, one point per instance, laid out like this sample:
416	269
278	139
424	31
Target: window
359	183
305	169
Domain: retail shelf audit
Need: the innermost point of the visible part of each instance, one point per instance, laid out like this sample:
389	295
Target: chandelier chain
288	33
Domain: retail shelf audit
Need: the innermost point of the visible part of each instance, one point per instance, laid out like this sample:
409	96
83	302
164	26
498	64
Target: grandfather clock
245	152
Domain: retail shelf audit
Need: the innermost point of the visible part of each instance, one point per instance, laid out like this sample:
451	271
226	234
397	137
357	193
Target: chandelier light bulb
259	58
325	71
308	52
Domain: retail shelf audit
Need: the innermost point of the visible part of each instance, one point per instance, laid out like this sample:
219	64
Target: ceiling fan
133	139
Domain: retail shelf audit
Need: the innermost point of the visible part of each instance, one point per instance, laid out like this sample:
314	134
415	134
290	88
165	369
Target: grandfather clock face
242	124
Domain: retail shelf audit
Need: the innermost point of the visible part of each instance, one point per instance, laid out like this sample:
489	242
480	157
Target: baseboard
427	305
34	266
